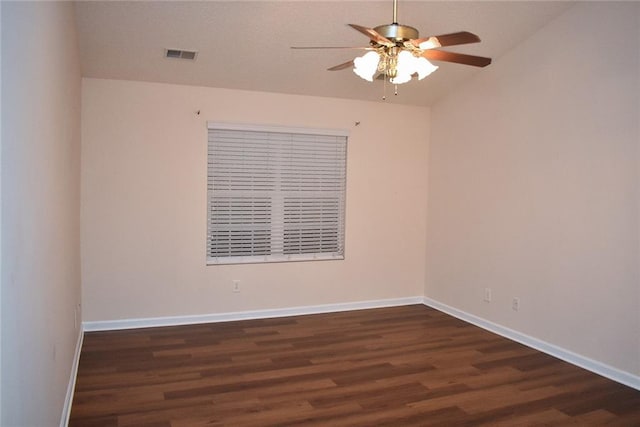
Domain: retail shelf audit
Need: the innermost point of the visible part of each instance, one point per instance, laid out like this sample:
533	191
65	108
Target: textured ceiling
245	44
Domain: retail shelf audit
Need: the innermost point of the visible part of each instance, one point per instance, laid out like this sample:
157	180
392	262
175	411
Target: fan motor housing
397	32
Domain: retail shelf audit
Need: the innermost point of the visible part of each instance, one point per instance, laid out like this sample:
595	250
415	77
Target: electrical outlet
515	304
487	294
236	286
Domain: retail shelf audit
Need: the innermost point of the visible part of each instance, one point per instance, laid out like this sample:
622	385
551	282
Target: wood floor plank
397	366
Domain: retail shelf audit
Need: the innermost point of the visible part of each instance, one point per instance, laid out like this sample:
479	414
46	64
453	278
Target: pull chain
384	87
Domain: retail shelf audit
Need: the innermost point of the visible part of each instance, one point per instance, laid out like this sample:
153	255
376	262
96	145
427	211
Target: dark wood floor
398	366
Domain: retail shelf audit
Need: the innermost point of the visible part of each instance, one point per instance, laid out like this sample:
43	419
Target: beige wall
40	209
533	191
144	202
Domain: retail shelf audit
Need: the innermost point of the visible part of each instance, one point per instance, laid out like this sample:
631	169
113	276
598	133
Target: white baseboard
66	409
109	325
599	368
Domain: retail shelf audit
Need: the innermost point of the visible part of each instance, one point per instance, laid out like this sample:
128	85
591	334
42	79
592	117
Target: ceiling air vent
181	54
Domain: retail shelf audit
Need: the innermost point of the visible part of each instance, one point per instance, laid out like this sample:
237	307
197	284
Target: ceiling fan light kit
399	66
397	53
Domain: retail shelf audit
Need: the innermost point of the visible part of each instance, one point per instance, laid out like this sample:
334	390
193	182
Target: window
275	194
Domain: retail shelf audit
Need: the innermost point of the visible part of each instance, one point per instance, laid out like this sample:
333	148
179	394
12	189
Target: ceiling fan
397	53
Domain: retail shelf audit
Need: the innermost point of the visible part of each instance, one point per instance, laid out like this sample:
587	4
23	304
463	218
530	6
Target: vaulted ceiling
246	44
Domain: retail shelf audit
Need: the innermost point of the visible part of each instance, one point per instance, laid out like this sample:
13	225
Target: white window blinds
275	194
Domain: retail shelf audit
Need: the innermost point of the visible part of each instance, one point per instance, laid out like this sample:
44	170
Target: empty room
332	213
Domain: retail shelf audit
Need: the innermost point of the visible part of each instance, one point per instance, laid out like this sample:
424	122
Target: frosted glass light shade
365	66
408	65
431	43
424	67
405	68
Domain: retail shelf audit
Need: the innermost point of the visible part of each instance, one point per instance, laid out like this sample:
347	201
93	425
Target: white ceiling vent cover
180	54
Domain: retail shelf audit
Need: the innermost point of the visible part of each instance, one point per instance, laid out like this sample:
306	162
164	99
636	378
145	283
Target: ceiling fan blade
332	47
372	34
452	39
341	66
459	58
